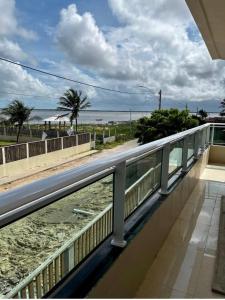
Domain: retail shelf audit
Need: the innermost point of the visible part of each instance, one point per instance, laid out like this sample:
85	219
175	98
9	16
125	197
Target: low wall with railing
21	151
56	223
11	132
126	276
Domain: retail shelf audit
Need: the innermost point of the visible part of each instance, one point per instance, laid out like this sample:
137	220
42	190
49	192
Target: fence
26	150
39	195
31	132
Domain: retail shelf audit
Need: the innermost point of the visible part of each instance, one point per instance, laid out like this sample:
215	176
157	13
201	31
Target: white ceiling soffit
209	15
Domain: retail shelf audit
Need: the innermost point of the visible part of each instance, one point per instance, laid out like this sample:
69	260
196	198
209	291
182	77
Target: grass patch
6	143
100	146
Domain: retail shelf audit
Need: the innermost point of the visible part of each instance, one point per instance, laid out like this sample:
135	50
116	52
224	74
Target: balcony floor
184	266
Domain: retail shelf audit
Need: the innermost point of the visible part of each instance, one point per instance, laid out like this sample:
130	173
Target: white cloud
151	46
154	37
11	50
8	21
72	72
16	79
82	41
134	11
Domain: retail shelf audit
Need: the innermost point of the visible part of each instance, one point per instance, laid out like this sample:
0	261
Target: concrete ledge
127	273
217	155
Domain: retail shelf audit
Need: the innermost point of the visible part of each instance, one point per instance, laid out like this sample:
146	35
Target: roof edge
199	14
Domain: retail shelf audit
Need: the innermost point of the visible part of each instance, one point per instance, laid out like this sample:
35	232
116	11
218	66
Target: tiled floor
184	265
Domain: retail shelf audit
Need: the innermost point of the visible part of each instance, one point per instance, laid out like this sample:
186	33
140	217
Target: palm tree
18	113
73	102
203	114
222	105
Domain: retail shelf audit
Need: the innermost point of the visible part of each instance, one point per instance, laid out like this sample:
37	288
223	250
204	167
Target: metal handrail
23	200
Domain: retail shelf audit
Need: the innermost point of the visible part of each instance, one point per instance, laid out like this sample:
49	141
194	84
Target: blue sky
117	44
44	17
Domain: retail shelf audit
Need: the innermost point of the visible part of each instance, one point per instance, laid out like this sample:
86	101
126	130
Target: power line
68	79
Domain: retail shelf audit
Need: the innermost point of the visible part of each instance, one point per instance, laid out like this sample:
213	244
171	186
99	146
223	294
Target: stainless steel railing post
196	145
185	154
119	205
165	169
212	136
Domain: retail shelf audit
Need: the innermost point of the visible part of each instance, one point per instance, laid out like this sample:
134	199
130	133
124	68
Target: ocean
96	116
93	116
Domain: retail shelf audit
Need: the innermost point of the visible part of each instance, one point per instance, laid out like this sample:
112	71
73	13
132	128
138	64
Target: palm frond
73	101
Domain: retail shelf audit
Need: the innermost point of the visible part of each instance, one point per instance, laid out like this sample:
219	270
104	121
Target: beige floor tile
216	210
205	215
189	270
211	202
215	218
211	174
218	203
199	235
185	264
204	281
211	243
180	295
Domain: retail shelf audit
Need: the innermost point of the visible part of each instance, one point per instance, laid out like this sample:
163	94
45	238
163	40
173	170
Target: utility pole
130	122
160	99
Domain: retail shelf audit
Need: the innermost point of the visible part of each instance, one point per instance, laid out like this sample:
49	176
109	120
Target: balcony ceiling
210	18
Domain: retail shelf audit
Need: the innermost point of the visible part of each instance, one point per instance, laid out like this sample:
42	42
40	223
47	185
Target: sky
116	44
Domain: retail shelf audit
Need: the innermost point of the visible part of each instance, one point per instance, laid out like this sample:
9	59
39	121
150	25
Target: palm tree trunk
76	125
18	134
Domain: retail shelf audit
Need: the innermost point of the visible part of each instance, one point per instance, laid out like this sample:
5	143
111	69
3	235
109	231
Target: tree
18	113
163	123
203	115
222	105
73	102
2	120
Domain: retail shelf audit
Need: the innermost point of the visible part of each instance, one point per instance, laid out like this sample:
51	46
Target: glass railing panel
191	144
39	249
142	179
219	135
175	159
